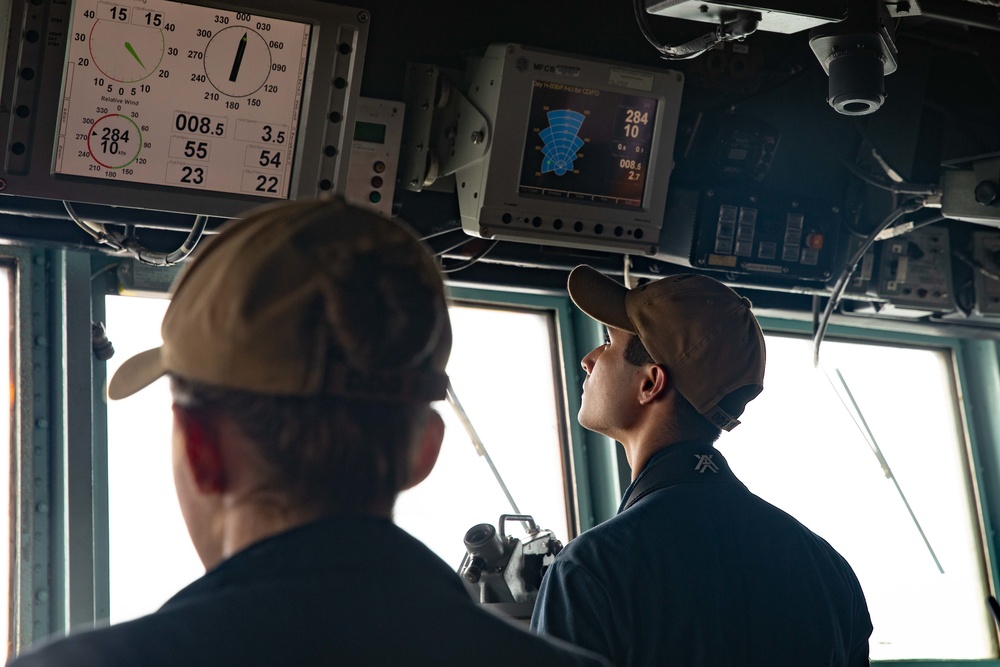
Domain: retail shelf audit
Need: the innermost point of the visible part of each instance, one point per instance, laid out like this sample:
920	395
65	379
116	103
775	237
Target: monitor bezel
488	190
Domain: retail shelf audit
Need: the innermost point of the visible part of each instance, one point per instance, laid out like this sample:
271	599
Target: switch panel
371	176
986	253
915	271
766	233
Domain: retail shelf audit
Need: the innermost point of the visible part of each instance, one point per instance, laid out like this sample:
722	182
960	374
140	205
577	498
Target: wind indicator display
167	93
587	144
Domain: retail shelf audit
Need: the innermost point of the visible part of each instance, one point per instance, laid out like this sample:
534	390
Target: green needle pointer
134	55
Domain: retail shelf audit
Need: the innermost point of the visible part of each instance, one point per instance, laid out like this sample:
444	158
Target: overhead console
544	158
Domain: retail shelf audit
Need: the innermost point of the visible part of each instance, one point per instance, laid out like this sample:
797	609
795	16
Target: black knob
474	570
987	192
103	349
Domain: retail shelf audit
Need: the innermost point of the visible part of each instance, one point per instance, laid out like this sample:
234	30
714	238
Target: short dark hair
637	355
333	454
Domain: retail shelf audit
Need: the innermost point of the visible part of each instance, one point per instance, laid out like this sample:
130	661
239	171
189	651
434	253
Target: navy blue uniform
699	571
342	591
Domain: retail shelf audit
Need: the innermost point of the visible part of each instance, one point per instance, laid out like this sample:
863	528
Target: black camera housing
857	55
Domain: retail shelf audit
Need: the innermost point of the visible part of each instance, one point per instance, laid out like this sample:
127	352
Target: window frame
52	545
29	529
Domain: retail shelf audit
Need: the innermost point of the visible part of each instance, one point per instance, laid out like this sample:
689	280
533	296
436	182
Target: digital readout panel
180	95
587	145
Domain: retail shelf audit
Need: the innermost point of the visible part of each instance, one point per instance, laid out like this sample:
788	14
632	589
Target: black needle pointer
239	58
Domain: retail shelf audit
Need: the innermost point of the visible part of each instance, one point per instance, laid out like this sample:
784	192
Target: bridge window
913	537
151	555
503	374
898	503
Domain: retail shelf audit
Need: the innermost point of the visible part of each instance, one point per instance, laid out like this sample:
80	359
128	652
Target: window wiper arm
859	419
477	442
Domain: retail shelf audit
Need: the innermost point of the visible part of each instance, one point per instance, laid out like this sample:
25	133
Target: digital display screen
587	145
186	96
373	133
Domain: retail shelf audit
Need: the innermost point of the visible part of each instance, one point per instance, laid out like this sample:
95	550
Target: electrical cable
889	171
898	188
82	224
96	231
882	162
855	216
629	281
169	259
899	185
845	276
975	266
907	227
965	297
441	233
731	107
128	243
191	242
104	269
853	232
464	241
472	260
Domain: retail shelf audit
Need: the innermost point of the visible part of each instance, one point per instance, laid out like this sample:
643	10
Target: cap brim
600	297
136	373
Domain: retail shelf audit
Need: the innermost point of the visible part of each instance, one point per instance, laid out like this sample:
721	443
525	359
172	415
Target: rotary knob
987	192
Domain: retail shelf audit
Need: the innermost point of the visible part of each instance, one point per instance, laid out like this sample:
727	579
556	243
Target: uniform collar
682	459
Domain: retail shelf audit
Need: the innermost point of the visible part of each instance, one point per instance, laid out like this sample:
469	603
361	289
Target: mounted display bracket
444	131
973	194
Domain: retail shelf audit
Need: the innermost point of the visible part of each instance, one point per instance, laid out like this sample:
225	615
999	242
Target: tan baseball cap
701	331
305	299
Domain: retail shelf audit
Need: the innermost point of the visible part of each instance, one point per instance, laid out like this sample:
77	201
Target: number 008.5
198	124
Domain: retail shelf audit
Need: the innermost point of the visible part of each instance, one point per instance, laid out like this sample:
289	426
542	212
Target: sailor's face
608	404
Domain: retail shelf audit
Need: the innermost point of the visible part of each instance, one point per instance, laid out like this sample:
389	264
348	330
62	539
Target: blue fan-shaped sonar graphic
561	140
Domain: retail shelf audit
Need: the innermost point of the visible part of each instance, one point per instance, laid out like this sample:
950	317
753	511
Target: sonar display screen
587	145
